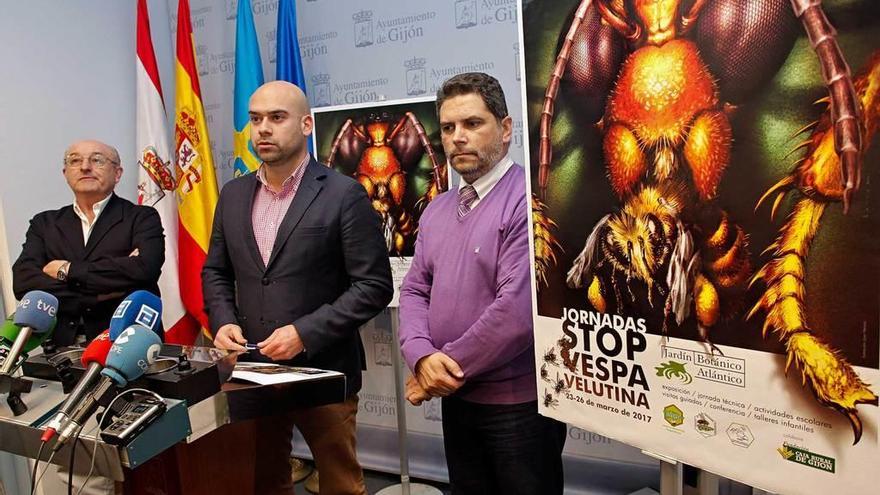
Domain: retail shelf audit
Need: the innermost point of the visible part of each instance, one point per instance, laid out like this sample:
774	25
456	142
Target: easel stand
405	487
672	478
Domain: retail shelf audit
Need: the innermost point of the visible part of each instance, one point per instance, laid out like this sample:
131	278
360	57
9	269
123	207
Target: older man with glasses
94	252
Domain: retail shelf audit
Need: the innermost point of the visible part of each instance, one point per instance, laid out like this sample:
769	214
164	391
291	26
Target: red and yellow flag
157	186
196	181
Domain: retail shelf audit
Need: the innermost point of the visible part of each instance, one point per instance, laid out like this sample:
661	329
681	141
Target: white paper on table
271	374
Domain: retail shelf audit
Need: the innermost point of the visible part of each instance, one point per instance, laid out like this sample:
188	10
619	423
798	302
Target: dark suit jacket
328	273
103	266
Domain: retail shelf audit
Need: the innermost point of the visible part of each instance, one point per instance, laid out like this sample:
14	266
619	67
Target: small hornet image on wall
393	149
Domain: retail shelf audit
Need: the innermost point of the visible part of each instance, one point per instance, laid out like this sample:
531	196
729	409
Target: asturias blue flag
289	65
248	77
289	61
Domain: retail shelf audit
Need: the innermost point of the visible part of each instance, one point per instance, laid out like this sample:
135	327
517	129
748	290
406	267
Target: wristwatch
62	272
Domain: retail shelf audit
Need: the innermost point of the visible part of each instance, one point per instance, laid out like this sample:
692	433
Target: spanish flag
196	181
156	182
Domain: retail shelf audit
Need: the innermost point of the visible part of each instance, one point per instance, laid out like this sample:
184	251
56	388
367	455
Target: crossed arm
91	281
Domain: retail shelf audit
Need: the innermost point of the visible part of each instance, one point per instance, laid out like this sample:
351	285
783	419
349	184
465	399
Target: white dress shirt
485	183
97	208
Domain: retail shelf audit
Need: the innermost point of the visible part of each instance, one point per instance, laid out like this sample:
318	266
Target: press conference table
190	450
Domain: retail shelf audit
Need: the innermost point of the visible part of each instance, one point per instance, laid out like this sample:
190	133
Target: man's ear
506	129
308	125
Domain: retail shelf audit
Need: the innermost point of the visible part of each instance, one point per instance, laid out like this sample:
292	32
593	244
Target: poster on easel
393	149
705	231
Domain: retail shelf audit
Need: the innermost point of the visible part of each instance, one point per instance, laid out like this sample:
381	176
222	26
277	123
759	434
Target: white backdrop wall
357	51
68	75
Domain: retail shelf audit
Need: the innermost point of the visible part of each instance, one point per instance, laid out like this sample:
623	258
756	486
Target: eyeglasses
95	160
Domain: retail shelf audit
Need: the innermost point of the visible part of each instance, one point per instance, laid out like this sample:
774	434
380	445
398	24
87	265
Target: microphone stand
15	386
62	364
405	487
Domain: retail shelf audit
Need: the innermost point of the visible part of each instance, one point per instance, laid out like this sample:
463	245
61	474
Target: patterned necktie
466	197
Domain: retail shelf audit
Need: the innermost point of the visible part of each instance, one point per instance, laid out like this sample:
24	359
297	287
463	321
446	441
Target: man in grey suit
296	264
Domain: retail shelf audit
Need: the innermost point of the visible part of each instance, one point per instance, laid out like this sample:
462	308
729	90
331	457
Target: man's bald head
283	93
280	121
92	170
93	144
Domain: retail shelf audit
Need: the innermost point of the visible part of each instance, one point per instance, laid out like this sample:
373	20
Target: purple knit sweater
468	293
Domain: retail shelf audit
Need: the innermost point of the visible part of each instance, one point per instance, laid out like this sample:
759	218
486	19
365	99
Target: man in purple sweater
465	307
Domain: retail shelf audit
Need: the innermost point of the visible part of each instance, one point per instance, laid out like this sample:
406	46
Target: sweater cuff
460	355
416	349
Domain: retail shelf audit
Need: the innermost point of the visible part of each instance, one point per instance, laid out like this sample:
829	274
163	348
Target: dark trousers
507	449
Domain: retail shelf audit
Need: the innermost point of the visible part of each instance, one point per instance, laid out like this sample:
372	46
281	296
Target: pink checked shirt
270	207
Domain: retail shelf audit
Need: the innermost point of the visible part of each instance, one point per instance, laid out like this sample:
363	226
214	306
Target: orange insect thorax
660	90
379	163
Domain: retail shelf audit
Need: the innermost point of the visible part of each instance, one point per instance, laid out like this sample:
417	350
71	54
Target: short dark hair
480	83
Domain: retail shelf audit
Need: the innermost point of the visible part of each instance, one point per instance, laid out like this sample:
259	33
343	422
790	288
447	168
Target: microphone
35	314
93	358
138	308
8	333
129	357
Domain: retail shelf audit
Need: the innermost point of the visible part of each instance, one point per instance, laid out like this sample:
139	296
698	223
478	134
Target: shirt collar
485	183
97	208
297	173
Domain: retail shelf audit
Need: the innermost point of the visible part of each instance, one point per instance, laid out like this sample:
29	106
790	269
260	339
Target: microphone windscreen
132	353
139	308
96	351
37	309
9	330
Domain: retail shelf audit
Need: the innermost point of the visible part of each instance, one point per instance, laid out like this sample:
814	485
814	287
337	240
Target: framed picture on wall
393	149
